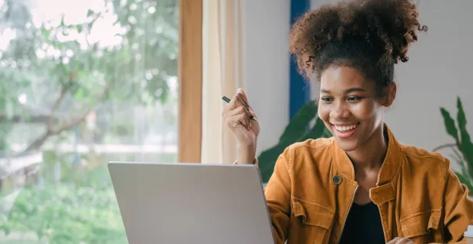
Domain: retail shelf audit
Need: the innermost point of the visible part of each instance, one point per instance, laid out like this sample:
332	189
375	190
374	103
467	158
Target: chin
347	145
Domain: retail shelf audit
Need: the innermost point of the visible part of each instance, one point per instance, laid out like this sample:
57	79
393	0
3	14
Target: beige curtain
221	76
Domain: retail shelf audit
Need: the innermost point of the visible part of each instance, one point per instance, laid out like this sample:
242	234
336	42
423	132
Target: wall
437	72
266	65
439	69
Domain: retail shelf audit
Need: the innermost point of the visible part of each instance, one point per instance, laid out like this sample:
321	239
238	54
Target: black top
363	225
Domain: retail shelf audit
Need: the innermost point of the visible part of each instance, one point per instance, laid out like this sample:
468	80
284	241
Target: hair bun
387	26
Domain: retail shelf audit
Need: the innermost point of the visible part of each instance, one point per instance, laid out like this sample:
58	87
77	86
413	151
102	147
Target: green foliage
298	129
463	147
3	135
79	207
63	71
53	73
65	213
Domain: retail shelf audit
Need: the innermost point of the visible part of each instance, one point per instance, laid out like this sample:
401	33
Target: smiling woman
361	185
352	111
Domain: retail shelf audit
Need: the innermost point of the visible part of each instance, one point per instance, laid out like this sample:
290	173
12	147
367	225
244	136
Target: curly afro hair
370	35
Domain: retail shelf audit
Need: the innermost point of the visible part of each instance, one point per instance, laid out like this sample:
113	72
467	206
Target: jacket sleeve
458	208
277	193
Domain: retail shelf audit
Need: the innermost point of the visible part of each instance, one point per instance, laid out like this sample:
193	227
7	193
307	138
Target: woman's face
349	107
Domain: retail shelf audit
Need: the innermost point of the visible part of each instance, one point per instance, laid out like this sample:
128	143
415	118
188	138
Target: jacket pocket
420	225
312	222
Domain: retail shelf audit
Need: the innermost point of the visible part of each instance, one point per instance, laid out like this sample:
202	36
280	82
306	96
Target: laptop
191	203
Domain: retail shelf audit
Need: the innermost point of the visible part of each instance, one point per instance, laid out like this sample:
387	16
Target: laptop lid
191	203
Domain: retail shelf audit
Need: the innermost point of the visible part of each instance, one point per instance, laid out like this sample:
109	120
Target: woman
361	185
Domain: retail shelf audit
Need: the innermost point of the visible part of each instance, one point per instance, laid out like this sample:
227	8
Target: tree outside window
81	83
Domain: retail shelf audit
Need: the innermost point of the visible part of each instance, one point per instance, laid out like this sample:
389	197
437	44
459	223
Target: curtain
222	74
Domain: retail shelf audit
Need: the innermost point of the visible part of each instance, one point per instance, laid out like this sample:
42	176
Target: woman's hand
400	240
240	118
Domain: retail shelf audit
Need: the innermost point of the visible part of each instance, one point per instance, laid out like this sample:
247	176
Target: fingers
405	241
400	240
244	100
232	117
233	103
393	241
239	99
252	113
243	97
235	111
236	117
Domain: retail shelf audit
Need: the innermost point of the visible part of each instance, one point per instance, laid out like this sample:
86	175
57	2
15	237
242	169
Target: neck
370	156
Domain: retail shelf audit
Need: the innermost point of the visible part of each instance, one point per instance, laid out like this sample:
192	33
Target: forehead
339	78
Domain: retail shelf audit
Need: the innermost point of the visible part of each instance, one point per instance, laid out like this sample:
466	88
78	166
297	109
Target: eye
354	99
326	99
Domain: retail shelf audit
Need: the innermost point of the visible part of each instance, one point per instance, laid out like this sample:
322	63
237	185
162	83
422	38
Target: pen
227	100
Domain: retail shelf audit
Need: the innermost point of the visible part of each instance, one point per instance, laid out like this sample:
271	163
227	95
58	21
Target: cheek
323	113
365	110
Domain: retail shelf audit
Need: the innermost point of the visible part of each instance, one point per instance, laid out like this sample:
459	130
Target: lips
344	130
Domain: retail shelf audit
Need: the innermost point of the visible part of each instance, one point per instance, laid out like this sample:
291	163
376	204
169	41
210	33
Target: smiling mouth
344	131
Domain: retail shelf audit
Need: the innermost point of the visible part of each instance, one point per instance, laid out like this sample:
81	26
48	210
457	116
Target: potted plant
462	148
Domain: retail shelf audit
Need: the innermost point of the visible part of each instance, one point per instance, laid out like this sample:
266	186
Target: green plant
304	125
73	210
55	72
463	147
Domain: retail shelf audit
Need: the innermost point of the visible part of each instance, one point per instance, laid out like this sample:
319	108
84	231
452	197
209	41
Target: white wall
439	69
266	62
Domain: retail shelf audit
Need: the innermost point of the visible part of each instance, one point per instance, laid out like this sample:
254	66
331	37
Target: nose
339	111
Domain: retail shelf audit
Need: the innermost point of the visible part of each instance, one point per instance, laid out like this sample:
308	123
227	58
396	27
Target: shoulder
421	159
309	146
308	152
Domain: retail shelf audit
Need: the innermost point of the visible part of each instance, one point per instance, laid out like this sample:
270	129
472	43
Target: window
81	83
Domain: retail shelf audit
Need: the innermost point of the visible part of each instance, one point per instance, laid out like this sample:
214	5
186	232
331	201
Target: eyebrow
355	89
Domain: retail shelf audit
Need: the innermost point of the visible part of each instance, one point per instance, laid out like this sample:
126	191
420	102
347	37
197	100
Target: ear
390	94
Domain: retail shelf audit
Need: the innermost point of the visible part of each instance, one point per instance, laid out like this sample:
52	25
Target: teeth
343	128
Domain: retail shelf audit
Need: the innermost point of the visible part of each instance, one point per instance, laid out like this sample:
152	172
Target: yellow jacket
312	189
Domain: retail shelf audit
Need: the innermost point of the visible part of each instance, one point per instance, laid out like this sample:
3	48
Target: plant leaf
267	160
296	130
449	124
298	124
461	119
465	180
460	160
315	132
466	147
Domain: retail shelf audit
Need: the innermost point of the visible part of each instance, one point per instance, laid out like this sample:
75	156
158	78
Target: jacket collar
389	168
